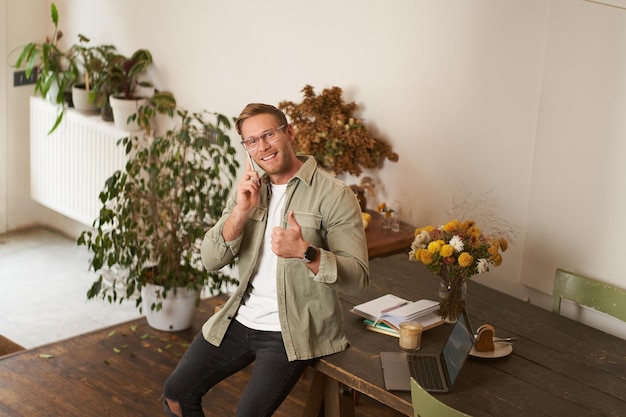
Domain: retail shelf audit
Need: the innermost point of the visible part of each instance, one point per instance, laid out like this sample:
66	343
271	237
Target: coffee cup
410	336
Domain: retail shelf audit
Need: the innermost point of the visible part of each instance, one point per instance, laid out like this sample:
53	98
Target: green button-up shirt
308	305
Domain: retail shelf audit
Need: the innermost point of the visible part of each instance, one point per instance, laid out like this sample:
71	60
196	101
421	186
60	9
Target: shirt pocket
258	214
311	224
308	220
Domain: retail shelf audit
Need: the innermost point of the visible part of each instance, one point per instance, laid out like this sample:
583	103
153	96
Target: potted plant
328	128
56	70
91	62
155	213
121	80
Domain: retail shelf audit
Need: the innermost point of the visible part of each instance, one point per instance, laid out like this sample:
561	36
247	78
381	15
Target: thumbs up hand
289	243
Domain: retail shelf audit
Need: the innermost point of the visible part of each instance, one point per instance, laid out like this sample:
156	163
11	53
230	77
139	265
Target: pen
387	310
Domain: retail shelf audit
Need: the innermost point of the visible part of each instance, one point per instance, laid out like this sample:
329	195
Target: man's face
276	158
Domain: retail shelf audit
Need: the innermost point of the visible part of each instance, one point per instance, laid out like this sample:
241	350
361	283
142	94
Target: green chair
588	292
425	405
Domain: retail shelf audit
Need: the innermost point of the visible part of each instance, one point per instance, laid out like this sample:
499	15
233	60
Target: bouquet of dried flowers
455	252
327	128
457	249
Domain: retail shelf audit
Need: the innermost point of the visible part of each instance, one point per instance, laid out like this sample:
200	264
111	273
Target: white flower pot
80	98
177	311
122	109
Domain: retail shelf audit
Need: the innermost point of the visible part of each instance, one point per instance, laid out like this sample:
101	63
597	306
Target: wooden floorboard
119	371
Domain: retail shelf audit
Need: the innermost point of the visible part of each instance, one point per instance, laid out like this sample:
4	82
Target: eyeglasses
269	136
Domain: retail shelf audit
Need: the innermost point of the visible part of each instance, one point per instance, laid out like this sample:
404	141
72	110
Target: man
298	236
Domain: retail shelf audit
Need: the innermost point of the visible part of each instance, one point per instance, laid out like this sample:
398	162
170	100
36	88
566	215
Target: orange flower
465	259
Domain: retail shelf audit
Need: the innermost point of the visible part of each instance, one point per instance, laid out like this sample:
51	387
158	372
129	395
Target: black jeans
204	365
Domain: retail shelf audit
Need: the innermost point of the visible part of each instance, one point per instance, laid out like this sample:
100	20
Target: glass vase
452	294
386	220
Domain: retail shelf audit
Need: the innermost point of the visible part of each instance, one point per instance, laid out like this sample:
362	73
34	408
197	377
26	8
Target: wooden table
384	242
558	367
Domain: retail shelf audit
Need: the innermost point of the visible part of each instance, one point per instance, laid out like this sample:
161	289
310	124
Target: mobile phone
252	165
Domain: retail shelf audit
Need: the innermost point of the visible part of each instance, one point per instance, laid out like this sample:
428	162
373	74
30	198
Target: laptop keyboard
424	370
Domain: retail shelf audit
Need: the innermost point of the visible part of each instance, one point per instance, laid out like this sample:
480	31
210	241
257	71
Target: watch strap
310	254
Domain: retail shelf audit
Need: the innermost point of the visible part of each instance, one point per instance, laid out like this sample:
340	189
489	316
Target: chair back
425	405
588	292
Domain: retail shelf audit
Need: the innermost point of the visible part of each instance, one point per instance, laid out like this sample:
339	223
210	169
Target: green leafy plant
122	73
155	212
91	63
119	78
56	69
161	102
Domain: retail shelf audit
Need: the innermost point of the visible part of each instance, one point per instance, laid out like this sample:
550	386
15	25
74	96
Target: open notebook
393	310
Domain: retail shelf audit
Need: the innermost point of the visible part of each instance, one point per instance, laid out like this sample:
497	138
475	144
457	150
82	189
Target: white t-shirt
259	309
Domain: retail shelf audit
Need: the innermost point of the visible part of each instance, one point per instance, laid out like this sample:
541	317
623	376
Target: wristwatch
310	254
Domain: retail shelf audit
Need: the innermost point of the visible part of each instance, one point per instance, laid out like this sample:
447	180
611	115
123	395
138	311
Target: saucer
501	350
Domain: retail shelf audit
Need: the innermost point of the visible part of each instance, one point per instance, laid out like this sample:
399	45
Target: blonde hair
254	109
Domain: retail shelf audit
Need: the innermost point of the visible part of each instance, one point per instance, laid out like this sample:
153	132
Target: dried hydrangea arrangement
327	128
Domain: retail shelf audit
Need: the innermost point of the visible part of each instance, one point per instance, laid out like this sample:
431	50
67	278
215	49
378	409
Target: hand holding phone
251	162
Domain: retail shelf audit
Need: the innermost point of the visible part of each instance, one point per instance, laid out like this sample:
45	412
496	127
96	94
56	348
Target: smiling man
298	236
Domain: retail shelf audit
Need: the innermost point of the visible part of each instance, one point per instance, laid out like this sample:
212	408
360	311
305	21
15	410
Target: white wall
476	96
27	20
3	120
578	188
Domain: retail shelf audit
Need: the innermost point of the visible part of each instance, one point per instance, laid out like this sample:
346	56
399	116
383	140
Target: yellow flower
452	226
458	247
426	257
465	259
446	250
381	207
435	246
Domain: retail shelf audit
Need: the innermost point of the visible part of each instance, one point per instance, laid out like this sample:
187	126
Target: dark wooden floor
120	371
223	399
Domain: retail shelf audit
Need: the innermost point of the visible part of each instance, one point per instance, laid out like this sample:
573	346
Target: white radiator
68	168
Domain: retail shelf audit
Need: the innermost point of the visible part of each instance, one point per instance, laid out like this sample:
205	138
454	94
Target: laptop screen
458	346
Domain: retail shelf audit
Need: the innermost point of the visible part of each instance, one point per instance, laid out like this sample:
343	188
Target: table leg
327	391
336	403
315	399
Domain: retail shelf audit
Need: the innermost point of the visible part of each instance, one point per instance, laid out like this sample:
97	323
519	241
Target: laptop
434	372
